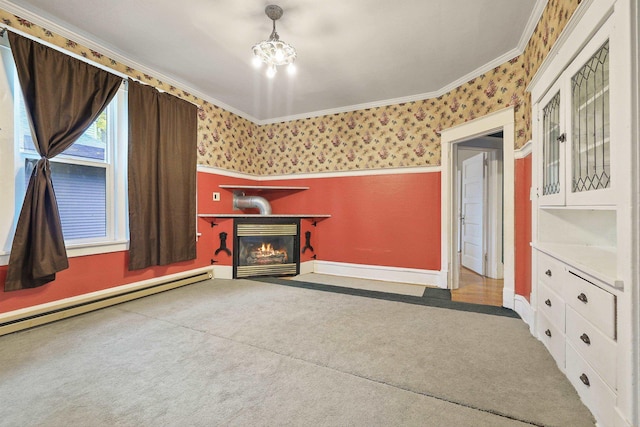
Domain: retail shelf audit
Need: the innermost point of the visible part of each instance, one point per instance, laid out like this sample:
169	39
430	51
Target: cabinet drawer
599	398
594	304
550	271
552	305
552	338
593	346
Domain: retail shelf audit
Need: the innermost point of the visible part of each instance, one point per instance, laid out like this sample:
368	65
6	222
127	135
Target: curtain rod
5	29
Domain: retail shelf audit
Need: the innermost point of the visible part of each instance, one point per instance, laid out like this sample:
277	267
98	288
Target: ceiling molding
100	46
115	55
534	18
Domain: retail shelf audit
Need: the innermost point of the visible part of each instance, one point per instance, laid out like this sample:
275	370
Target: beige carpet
244	353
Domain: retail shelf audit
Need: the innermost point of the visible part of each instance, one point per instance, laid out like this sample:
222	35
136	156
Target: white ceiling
351	53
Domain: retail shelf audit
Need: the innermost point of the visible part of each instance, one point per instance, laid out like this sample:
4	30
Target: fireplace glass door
266	249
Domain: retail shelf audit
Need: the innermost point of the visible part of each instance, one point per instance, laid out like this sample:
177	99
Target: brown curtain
162	177
63	96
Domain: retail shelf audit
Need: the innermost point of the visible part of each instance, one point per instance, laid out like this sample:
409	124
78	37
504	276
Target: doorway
478	180
492	124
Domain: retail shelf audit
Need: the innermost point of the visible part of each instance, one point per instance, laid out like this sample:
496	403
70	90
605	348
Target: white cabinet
584	292
578	176
576	320
575	148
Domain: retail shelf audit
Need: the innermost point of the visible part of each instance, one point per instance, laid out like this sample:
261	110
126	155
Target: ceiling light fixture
274	52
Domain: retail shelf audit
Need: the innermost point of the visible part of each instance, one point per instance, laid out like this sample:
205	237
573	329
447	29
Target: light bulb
256	61
291	69
279	55
271	71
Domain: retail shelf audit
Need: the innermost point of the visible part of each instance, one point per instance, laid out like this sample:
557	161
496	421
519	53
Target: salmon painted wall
385	220
523	227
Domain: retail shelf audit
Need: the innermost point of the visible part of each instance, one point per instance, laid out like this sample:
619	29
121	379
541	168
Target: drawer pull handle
547	333
547	302
548	273
585	380
582	297
585	339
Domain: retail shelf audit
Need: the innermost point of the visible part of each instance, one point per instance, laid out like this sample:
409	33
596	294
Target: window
89	178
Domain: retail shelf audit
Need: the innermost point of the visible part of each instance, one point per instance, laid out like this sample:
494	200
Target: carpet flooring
250	353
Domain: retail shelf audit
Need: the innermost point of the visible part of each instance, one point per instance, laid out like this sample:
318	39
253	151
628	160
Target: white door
472	213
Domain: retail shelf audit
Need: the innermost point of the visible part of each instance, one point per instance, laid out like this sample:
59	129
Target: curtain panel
62	96
161	178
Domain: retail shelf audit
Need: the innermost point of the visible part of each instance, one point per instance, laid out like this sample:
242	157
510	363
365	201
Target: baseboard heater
18	320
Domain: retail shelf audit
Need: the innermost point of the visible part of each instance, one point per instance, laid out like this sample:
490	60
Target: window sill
83	249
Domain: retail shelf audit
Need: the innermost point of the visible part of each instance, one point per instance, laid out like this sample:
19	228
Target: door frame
503	120
493	200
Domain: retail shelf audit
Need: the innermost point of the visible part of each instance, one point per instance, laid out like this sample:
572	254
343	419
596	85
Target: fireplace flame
267	249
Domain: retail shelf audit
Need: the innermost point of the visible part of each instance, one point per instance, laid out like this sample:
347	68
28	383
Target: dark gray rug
431	297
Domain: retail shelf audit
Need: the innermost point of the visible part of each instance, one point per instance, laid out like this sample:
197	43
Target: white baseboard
377	272
222	272
508	295
524	310
307	267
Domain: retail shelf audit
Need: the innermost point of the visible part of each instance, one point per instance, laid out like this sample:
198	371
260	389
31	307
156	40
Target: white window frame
115	164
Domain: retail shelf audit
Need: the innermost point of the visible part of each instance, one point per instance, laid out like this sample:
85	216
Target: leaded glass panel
591	168
551	146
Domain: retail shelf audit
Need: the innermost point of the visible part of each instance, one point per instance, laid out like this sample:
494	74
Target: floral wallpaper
395	136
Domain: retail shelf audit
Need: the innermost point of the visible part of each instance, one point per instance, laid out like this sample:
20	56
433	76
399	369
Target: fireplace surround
266	247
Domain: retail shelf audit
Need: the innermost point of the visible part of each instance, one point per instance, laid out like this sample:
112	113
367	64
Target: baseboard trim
307	267
524	310
377	272
41	314
223	272
508	296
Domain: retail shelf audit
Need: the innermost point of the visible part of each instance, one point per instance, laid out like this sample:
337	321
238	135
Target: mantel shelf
222	215
262	187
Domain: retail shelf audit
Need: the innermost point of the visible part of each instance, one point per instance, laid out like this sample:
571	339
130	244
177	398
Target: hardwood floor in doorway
478	289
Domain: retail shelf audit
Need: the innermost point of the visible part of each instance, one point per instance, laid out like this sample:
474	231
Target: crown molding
529	28
40	18
101	46
402	100
534	18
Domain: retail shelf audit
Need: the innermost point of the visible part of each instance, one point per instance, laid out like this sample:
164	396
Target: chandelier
274	52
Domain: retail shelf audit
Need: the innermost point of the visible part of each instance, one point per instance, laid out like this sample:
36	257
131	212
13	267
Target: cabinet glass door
552	151
590	158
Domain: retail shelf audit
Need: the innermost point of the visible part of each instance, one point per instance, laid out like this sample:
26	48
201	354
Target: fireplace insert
266	247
